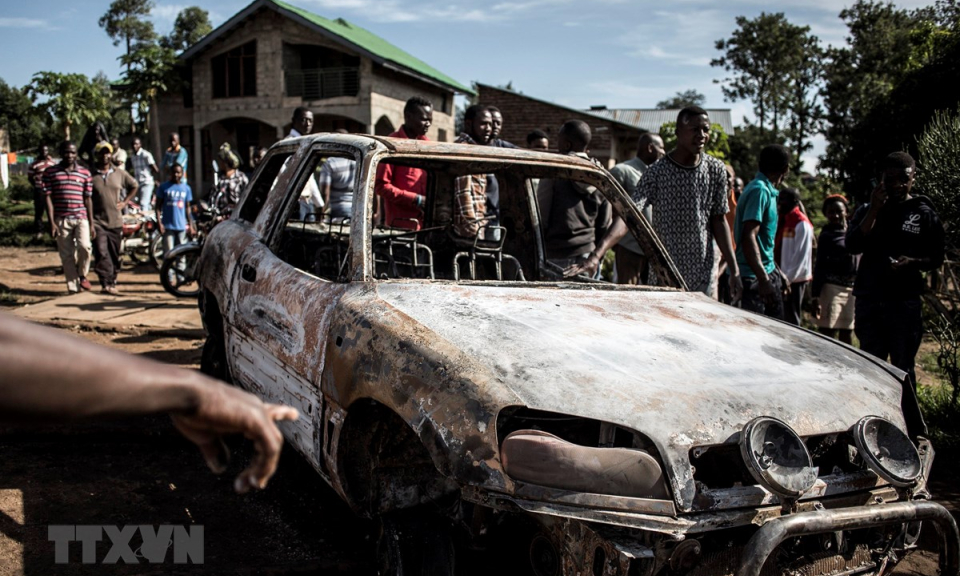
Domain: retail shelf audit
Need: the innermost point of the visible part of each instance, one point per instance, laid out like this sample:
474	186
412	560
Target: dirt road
141	472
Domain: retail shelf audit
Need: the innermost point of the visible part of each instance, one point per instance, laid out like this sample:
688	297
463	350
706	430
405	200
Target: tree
718	146
191	25
151	71
119	120
71	99
124	22
24	123
777	65
682	100
938	176
885	43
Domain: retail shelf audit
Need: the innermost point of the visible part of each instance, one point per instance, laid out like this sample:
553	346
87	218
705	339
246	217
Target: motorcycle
178	272
140	238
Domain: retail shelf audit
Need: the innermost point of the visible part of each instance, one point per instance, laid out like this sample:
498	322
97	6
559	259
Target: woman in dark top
834	274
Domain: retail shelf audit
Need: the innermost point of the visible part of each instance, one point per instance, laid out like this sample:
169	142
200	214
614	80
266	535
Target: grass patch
8	298
16	219
18	231
941	414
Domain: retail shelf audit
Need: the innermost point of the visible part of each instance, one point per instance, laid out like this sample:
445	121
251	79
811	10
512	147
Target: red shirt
400	187
68	189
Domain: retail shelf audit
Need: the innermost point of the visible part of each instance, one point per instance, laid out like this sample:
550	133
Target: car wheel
213	358
415	542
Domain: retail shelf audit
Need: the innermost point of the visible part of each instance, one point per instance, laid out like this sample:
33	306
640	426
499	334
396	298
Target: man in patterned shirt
688	192
231	184
68	188
35	173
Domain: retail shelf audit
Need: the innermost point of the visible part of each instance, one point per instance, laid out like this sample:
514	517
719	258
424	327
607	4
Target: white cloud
392	11
24	23
166	12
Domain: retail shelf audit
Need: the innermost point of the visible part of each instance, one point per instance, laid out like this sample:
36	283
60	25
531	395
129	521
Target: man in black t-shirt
900	237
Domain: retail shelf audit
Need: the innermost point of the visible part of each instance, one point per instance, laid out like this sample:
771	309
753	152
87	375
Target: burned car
457	389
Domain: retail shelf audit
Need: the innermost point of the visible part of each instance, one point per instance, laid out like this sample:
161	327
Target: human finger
267	442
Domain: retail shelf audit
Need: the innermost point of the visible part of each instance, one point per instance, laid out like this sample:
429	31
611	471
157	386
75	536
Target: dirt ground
141	472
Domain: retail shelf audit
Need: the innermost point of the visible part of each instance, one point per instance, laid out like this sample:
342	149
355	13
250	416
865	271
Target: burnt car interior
503	244
311	242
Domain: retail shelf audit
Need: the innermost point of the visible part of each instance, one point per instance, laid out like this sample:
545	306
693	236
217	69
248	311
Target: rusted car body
425	373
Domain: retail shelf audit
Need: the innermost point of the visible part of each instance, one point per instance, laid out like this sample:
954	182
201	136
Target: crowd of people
750	246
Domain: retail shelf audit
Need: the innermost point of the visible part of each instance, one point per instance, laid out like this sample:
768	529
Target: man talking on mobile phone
900	237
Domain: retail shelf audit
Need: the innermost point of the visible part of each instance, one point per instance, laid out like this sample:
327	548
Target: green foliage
71	99
886	44
938	175
19	190
16	215
125	22
941	414
718	146
26	125
191	25
745	145
777	65
151	70
682	100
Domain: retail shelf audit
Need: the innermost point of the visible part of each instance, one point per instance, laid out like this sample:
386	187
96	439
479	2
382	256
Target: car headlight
540	458
887	450
777	457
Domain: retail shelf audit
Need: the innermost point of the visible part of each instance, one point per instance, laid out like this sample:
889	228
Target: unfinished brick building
615	131
248	75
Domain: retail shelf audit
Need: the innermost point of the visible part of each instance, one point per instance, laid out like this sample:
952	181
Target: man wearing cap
112	188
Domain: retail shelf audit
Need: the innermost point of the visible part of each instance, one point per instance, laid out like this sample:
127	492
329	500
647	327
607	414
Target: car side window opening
476	221
256	197
314	235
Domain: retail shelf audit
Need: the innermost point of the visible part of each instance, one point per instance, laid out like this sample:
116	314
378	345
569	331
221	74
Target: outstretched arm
51	376
721	233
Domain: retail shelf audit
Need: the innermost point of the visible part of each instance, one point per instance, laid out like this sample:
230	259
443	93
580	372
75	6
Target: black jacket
909	228
834	265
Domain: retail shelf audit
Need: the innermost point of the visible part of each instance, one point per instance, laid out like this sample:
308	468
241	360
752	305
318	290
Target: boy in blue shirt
173	200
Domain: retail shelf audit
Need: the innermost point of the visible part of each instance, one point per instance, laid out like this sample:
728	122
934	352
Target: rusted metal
402	382
776	531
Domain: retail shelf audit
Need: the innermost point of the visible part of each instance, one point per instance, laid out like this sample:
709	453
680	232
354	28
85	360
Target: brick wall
611	142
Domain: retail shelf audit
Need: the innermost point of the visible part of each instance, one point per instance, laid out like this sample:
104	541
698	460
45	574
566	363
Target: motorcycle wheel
141	254
156	251
179	274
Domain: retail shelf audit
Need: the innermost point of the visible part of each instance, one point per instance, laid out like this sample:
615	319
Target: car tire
213	358
415	542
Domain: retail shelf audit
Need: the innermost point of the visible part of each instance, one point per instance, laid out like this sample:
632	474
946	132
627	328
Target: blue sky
619	53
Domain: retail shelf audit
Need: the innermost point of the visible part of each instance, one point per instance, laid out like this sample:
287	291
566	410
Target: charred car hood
678	367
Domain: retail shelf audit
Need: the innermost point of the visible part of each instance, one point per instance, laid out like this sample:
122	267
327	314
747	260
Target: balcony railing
321	83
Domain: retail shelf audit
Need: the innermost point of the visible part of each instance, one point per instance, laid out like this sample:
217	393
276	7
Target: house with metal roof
651	119
616	133
246	77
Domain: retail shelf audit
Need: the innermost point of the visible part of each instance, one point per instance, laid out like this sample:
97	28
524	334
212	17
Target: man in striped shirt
35	173
68	188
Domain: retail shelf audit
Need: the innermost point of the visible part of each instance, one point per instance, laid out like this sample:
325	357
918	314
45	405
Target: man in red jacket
402	188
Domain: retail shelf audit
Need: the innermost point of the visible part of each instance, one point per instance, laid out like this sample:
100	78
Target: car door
281	311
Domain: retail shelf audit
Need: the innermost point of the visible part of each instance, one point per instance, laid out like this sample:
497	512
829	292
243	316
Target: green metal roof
363	40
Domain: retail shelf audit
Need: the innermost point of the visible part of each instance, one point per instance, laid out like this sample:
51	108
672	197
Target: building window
315	72
235	72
